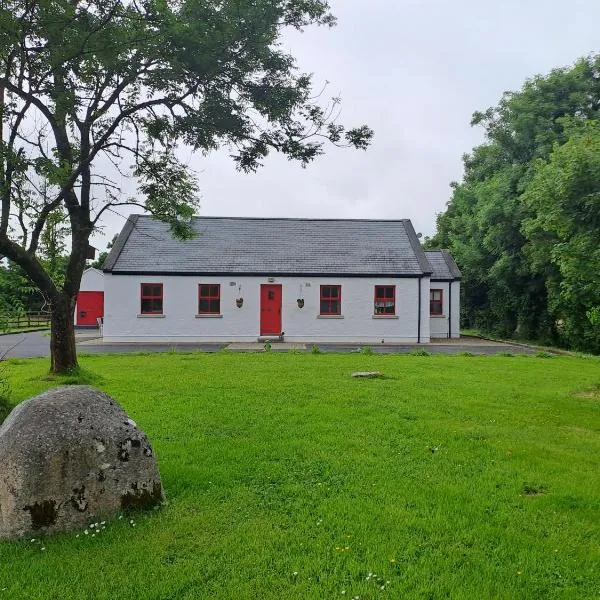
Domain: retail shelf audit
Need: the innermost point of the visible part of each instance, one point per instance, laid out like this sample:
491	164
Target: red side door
270	309
90	306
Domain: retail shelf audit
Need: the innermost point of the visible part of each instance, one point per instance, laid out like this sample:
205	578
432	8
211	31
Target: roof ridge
325	219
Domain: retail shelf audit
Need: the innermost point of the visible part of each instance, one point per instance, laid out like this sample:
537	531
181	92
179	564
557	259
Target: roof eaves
276	274
118	246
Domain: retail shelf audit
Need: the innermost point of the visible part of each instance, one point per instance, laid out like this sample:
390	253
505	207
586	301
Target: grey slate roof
443	265
241	246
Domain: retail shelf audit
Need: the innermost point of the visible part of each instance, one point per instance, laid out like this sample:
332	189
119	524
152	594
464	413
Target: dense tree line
524	224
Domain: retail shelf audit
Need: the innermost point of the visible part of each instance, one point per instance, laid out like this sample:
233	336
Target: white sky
414	71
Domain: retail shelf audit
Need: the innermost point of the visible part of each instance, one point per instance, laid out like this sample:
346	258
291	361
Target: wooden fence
26	320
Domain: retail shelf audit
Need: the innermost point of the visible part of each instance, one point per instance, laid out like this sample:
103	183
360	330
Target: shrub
544	355
314	349
420	353
366	350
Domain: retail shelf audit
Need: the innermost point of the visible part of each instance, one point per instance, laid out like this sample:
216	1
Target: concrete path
37	344
260	346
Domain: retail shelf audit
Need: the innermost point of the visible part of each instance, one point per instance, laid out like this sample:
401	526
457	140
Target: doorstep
260	347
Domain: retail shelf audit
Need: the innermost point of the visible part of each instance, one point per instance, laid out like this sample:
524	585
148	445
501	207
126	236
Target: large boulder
70	455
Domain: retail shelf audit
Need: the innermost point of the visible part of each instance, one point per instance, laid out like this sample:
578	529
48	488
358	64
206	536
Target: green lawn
453	477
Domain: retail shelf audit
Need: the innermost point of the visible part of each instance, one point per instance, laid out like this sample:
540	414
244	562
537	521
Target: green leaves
170	191
524	225
564	233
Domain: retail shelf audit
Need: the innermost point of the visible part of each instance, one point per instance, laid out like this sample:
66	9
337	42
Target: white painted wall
455	309
92	280
425	323
122	320
439	324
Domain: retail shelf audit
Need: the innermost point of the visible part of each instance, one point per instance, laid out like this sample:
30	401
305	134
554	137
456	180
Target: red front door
90	306
270	309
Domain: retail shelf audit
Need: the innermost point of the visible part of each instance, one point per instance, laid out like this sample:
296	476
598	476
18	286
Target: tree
505	292
564	234
99	262
86	81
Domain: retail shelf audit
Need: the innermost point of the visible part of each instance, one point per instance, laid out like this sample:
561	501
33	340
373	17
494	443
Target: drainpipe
449	310
419	316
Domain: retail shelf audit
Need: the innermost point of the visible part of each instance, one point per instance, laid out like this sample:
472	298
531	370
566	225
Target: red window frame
330	300
151	296
382	309
436	307
213	300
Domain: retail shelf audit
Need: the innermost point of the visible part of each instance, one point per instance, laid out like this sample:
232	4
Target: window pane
384	291
435	307
152	306
203	291
330	303
207	305
214	291
385	307
151	290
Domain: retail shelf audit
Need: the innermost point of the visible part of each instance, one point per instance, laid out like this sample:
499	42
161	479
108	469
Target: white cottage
302	280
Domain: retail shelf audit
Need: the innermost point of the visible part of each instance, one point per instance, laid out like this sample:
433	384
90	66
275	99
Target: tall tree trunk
63	355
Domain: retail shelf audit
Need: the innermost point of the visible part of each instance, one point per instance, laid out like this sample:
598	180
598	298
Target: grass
451	477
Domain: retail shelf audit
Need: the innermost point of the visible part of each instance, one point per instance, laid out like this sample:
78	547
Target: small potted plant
300	302
239	301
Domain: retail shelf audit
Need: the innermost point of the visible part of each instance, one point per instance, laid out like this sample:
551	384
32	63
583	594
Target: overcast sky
414	71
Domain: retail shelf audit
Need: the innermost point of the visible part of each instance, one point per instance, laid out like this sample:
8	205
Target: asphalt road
37	344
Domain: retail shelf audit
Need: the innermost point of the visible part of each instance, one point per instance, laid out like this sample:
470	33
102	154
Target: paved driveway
37	344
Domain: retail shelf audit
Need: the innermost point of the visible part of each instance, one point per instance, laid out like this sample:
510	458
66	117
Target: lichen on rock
69	455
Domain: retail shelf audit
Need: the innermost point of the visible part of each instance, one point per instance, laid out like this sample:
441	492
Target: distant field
452	477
